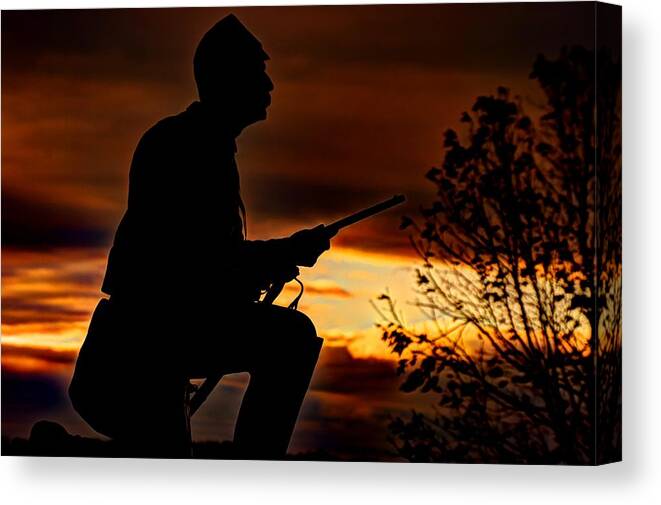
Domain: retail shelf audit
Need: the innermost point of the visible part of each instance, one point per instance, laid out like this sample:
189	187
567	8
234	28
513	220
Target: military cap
227	41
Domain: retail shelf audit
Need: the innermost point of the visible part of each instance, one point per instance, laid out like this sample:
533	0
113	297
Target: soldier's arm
275	258
262	261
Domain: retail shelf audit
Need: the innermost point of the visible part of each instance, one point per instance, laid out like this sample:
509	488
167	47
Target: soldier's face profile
262	87
250	91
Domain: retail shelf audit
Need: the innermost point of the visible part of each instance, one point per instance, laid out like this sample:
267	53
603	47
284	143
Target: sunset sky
362	97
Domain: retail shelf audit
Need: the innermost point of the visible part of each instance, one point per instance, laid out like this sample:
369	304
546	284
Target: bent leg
146	409
280	375
158	423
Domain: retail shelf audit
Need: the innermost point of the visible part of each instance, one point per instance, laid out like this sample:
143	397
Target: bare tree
508	279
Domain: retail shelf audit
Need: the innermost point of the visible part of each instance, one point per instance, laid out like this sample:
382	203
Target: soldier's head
230	72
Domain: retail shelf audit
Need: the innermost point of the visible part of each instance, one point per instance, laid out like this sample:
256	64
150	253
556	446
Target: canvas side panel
608	45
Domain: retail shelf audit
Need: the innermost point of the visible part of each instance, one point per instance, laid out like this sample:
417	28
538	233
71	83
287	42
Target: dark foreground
48	438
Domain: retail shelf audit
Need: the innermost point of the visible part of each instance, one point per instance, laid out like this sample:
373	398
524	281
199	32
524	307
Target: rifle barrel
365	213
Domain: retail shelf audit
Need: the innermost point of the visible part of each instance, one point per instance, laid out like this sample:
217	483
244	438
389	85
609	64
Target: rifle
332	229
276	288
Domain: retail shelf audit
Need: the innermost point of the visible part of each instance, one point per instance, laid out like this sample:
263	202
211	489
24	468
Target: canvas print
347	233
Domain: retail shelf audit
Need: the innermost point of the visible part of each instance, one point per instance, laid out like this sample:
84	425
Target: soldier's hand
308	245
288	273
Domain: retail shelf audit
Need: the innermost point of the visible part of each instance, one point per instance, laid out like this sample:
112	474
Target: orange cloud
43	360
47	354
322	287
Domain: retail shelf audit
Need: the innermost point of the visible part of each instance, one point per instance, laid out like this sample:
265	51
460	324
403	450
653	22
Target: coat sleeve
263	261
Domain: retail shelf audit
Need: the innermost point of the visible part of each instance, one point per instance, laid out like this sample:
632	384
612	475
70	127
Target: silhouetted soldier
184	280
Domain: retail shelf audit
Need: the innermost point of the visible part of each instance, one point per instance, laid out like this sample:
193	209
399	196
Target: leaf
544	149
524	123
468	389
432	383
405	223
447	185
415	379
433	174
496	372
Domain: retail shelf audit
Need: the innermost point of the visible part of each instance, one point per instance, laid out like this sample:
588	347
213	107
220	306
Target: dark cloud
30	223
278	204
95	43
127	46
491	36
339	372
41	353
381	235
290	198
477	37
327	291
20	311
20	389
30	396
321	289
